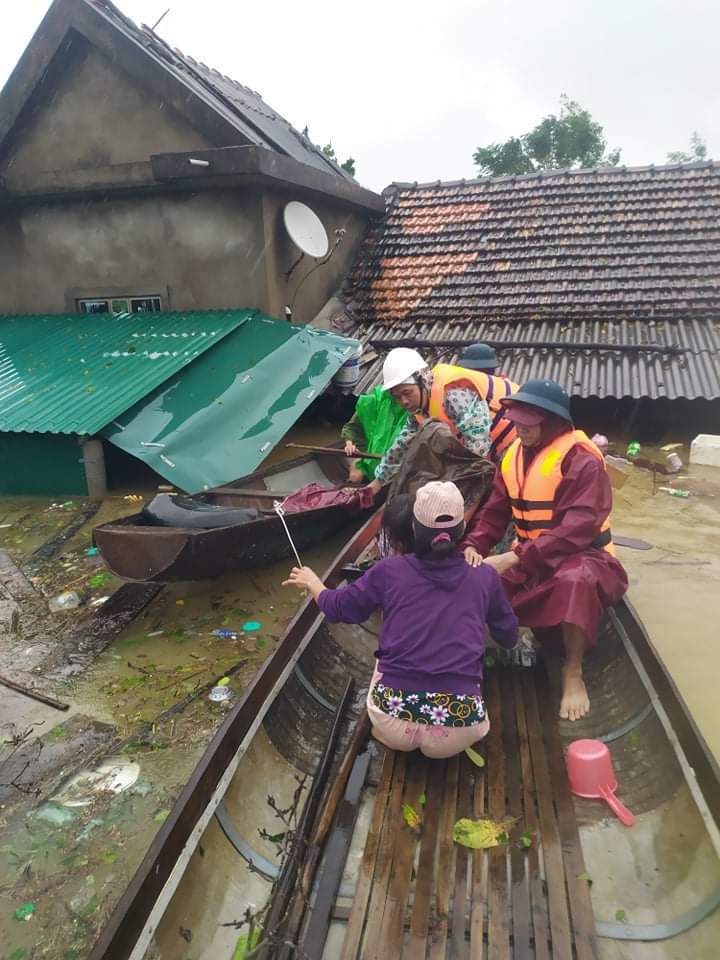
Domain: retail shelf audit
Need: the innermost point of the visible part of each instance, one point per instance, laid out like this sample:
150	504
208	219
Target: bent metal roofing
607	279
74	373
219	418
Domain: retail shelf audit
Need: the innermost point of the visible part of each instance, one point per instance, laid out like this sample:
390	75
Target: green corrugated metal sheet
74	373
219	418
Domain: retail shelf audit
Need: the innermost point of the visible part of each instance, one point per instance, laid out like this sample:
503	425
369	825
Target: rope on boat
280	511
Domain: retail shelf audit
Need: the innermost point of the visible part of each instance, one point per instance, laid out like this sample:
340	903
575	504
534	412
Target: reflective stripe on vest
532	495
492	389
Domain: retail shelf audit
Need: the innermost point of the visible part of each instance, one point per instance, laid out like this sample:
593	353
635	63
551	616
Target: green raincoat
382	419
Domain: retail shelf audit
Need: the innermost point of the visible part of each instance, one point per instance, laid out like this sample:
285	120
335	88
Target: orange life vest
492	389
532	495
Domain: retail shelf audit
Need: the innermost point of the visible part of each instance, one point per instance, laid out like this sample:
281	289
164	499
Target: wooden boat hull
654	742
162	554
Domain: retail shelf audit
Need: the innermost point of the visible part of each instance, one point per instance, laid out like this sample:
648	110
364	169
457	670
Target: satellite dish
305	229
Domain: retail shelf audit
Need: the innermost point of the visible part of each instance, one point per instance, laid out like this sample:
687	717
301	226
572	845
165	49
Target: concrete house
134	180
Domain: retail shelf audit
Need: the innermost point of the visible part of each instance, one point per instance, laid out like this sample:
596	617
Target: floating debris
25	912
252	626
112	776
64	601
219	694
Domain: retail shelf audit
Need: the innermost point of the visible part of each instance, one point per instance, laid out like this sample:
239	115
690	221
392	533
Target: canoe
137	550
385	878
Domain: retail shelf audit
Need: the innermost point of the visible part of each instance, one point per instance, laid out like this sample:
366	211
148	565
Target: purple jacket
434	616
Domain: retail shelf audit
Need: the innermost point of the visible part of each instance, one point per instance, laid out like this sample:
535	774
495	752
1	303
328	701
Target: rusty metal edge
127	921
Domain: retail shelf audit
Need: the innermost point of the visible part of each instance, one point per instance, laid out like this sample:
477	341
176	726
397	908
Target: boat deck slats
420	896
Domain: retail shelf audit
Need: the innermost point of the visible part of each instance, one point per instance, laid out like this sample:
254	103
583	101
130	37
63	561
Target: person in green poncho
377	421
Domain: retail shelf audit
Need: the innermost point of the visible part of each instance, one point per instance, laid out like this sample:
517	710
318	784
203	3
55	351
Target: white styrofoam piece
705	450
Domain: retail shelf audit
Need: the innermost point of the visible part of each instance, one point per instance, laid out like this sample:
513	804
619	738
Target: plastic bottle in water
633	450
675	492
226	634
64	601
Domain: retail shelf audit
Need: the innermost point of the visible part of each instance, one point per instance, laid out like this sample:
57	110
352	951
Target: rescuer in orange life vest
562	571
466	396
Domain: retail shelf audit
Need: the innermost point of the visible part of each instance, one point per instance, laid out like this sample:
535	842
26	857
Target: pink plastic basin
591	775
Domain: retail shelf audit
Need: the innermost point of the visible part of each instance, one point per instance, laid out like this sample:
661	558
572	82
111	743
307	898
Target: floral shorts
434	709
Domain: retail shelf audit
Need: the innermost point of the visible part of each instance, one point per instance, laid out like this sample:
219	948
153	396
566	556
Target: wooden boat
571	882
138	551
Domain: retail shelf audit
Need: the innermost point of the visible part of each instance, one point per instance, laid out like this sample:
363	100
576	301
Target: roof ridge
605	169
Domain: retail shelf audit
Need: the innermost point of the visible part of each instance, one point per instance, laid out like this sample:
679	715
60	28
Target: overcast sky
410	89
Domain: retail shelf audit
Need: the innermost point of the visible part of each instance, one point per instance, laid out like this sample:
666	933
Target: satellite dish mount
306	231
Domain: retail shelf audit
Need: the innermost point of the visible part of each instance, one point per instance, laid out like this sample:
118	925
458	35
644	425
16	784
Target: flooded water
675	586
72	863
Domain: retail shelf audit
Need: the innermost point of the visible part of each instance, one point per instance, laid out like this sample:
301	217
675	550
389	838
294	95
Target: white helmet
400	365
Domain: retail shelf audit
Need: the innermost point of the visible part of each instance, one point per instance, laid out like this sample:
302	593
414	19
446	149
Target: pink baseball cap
439	499
522	413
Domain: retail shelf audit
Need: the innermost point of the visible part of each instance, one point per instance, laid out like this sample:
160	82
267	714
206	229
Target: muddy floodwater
676	585
65	865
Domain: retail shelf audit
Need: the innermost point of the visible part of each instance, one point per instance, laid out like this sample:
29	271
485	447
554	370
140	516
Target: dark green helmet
478	356
545	395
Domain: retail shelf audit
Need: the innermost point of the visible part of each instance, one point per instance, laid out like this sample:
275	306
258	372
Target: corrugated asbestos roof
584	368
219	418
75	373
254	119
612	256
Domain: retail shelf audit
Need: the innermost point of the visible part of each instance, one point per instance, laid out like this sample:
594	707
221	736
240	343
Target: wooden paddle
338	451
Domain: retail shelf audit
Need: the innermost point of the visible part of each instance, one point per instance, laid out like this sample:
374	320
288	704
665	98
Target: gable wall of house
94	116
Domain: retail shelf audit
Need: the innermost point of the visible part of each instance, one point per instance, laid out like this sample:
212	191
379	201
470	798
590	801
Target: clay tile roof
607	256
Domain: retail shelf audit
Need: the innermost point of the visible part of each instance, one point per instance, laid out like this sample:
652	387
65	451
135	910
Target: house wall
96	116
309	286
211	250
200	251
47	464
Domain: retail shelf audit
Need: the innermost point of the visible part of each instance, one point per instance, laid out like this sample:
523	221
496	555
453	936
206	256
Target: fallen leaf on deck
481	834
475	757
620	916
585	876
410	815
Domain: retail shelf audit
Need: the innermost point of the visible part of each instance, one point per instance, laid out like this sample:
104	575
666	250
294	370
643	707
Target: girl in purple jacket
426	689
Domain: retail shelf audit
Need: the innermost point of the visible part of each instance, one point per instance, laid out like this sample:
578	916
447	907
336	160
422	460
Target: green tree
570	139
347	165
697	151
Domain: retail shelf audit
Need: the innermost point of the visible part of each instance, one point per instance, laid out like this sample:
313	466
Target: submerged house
606	280
136	181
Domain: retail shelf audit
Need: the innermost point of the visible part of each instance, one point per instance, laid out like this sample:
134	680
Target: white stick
279	510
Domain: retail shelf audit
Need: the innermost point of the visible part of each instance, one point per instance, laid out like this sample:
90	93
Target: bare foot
356	476
575	702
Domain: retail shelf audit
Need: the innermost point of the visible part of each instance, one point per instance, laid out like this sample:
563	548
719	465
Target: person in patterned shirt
407	377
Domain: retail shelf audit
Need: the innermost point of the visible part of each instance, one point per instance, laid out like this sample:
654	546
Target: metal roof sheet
74	373
217	419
